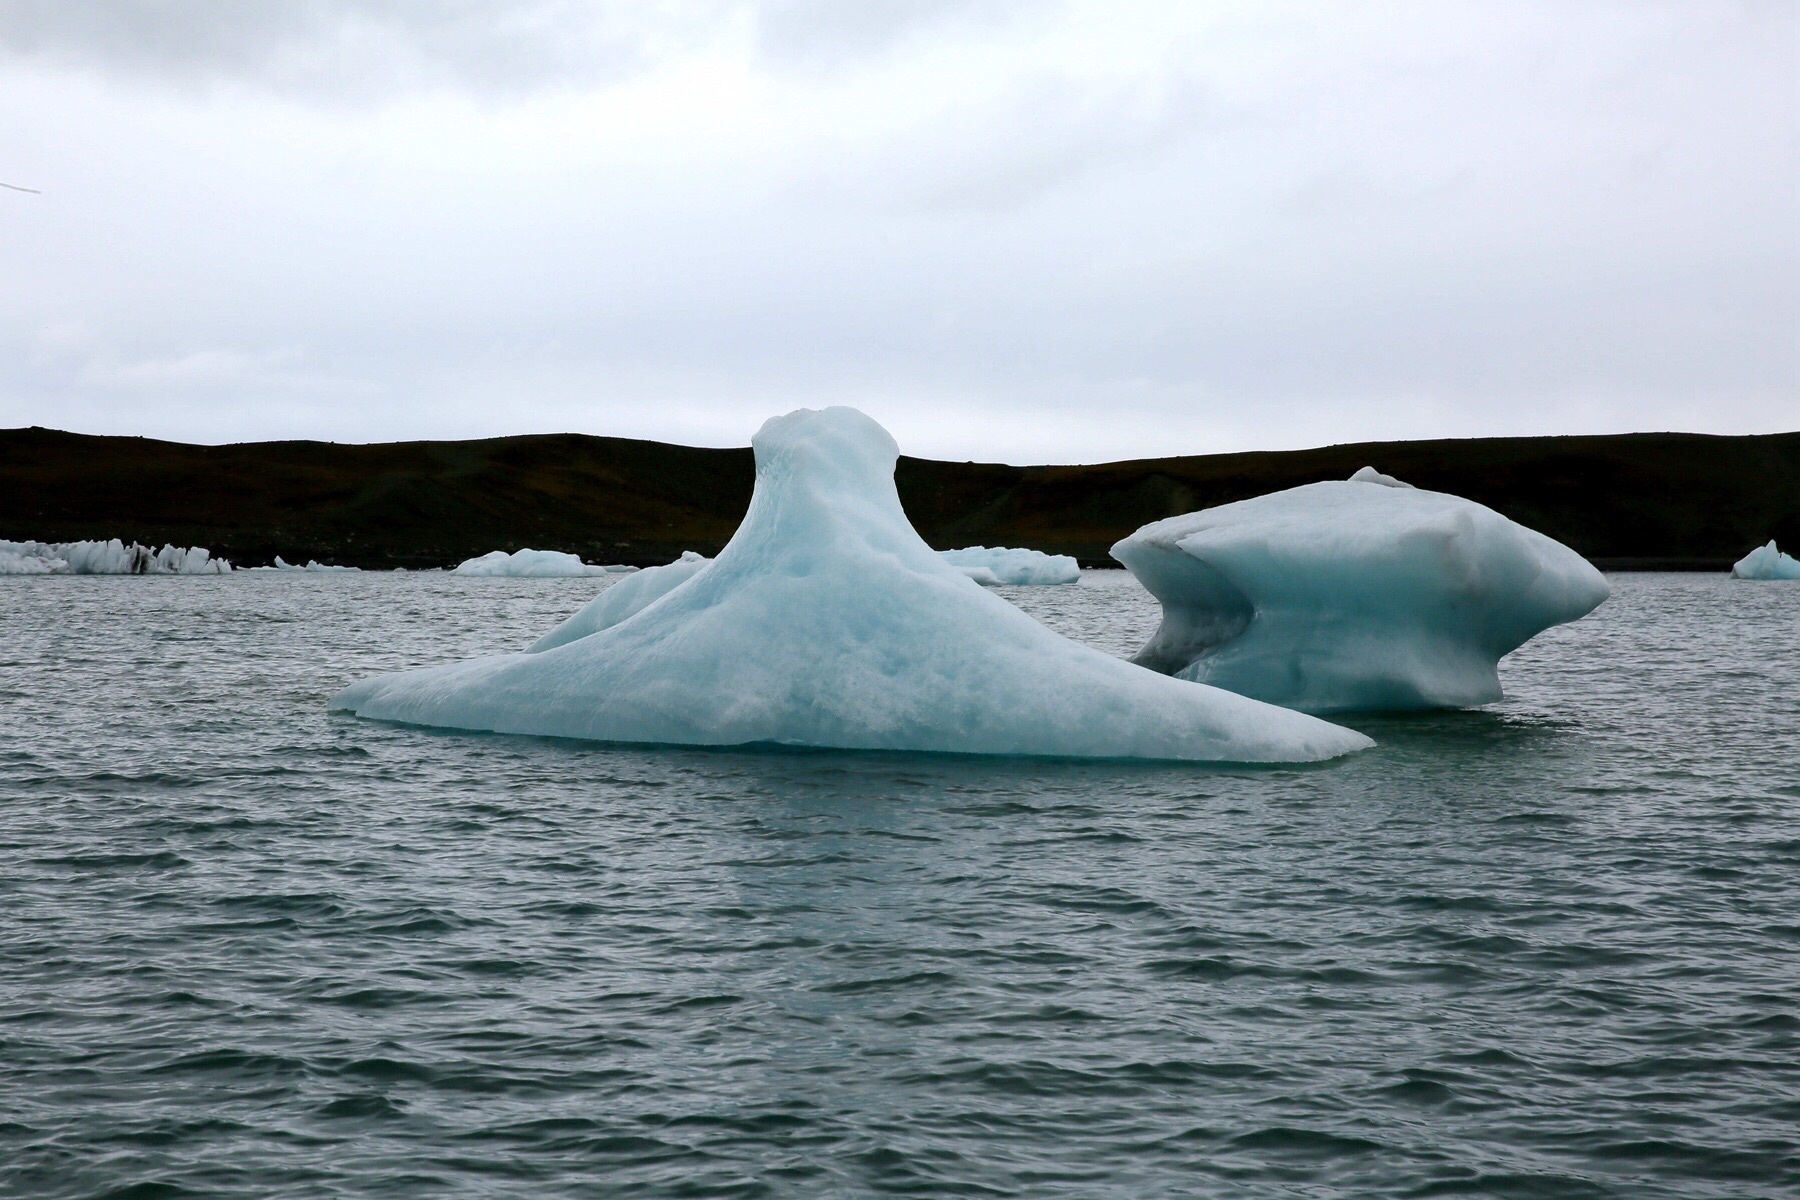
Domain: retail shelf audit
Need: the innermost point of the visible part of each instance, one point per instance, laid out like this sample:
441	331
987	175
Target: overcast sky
1027	231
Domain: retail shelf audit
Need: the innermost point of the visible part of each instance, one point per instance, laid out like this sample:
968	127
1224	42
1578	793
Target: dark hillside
1632	500
392	504
1669	500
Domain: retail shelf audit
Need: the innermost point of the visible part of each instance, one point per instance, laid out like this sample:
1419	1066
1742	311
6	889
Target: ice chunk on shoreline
106	558
997	566
828	622
531	564
623	599
1766	562
1343	596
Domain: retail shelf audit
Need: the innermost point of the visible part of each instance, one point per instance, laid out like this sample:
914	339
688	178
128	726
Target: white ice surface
623	599
1353	595
531	564
1371	475
993	566
1766	562
13	562
828	622
106	558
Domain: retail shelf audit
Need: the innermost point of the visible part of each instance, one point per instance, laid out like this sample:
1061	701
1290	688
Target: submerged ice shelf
1364	594
827	621
1766	562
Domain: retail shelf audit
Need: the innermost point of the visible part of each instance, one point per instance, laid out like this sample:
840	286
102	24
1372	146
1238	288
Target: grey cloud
361	50
349	50
1046	135
830	33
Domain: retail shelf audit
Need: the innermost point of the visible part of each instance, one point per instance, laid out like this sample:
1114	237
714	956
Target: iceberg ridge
623	599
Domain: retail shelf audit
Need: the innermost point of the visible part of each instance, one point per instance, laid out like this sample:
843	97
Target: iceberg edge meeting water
827	621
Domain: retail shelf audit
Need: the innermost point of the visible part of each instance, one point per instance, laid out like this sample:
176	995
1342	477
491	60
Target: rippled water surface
250	948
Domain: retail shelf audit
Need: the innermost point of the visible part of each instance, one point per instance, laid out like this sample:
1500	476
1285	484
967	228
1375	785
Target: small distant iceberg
1368	594
828	622
1371	475
532	564
997	566
107	558
312	564
1766	562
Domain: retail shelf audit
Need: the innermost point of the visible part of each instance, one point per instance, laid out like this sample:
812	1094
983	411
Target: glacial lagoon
1549	947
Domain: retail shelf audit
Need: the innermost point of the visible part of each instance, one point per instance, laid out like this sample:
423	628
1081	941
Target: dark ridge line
1637	501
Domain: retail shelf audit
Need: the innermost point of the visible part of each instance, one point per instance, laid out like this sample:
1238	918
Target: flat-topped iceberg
1766	562
531	564
107	558
1365	594
827	621
996	566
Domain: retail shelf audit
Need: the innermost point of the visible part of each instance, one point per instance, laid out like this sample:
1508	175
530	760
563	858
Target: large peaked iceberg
1365	594
827	621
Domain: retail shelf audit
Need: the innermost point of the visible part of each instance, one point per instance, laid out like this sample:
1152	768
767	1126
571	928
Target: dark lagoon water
250	948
